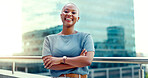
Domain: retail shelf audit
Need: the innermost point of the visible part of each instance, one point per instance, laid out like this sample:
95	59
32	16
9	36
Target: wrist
64	59
61	60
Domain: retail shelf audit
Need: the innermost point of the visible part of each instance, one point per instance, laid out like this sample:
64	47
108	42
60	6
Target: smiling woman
10	27
70	52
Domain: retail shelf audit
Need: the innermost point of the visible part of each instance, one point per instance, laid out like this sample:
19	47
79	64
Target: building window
35	49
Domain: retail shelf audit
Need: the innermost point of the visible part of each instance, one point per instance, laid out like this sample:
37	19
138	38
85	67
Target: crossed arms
55	63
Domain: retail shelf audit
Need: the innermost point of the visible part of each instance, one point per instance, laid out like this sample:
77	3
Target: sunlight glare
10	27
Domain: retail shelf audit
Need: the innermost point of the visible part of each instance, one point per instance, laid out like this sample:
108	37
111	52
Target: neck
68	30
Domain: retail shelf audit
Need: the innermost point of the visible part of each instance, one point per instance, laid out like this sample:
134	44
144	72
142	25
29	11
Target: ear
78	19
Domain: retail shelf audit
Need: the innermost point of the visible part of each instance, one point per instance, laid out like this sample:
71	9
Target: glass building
98	16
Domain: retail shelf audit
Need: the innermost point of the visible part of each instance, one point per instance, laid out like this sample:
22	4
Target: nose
69	13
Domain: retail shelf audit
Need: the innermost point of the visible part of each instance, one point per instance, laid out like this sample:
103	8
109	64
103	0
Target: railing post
13	67
107	73
120	72
92	73
141	72
133	72
26	69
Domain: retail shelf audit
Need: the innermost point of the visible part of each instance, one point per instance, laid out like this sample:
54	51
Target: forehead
70	7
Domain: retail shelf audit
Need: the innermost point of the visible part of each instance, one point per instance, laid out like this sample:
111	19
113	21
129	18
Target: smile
68	19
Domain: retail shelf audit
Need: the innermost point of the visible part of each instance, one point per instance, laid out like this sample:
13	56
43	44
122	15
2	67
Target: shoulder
84	34
50	36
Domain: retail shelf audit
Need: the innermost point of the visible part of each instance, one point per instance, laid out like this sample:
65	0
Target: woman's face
69	15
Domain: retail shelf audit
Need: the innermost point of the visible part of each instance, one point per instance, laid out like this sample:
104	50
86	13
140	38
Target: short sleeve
46	47
88	43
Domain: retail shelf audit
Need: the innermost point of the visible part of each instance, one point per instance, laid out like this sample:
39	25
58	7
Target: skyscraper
115	38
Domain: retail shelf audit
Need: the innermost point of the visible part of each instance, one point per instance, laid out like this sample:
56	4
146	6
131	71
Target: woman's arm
57	66
79	61
61	67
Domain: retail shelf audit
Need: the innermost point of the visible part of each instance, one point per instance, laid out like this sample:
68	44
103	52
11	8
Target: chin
69	25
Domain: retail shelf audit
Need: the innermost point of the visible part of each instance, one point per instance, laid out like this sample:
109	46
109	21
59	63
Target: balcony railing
133	60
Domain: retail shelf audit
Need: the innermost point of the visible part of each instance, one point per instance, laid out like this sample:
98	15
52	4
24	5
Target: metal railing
133	60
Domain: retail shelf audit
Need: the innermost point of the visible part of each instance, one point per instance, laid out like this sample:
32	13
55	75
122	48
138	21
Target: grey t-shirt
70	46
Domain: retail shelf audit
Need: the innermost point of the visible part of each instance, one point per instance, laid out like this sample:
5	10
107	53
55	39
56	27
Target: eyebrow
68	9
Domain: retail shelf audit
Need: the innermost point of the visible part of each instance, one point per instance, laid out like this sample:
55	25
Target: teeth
68	19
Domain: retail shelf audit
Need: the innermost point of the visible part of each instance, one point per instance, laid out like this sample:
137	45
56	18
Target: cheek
62	17
63	14
76	18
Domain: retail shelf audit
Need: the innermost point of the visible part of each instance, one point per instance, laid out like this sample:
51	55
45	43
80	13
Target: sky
11	26
141	26
39	15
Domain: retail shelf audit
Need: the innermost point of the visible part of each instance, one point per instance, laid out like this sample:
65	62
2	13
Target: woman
68	53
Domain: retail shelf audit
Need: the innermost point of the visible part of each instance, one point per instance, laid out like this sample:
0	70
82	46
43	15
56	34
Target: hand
83	53
50	61
46	57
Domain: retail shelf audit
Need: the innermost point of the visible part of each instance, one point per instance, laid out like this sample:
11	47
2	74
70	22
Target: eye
73	12
66	11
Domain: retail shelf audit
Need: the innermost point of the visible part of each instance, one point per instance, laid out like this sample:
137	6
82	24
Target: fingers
45	58
46	61
85	52
51	61
48	64
82	51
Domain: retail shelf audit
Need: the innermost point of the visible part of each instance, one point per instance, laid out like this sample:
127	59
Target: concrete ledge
8	73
